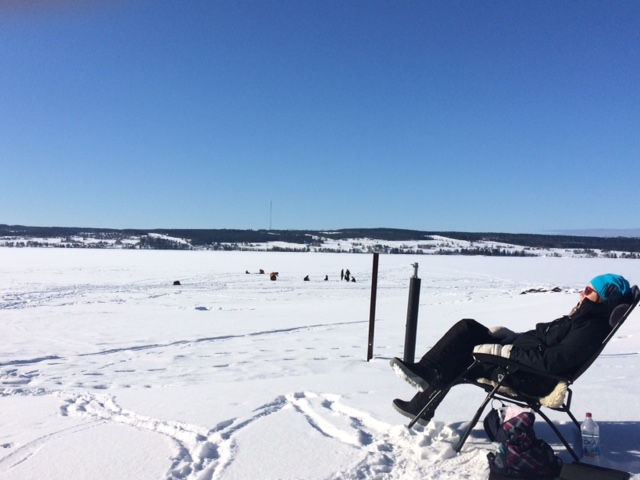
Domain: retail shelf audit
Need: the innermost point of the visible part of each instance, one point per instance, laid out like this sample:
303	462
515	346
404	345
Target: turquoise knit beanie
609	284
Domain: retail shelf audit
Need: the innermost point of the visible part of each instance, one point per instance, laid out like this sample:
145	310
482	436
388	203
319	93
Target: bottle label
590	446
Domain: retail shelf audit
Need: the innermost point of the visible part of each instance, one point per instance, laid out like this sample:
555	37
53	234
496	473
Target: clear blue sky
509	116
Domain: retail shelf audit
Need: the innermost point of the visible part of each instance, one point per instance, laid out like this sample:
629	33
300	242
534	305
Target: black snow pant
453	353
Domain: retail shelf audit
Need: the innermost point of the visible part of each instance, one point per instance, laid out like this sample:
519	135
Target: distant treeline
567	242
208	237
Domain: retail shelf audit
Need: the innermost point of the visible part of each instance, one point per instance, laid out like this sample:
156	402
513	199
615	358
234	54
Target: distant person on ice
558	347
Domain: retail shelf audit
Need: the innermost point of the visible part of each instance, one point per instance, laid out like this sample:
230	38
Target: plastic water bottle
590	439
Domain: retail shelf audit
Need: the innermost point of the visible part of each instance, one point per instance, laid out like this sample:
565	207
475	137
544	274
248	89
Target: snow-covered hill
433	245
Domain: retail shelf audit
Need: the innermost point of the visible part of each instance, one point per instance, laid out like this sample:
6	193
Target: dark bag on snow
520	453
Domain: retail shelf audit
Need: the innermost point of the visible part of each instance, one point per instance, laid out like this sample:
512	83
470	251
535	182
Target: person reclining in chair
559	347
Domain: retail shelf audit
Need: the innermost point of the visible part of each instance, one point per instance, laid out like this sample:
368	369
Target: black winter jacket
562	346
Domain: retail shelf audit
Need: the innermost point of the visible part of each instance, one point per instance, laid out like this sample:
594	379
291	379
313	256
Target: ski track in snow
23	453
177	343
226	286
86	294
202	453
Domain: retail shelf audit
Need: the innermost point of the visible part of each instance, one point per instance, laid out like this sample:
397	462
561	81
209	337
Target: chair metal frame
506	368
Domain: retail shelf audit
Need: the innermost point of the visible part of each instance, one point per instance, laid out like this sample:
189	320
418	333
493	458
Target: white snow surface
110	371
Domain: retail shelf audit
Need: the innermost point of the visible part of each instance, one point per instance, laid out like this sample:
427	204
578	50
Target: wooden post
372	310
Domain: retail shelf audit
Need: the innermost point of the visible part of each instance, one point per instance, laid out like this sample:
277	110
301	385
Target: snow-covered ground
110	371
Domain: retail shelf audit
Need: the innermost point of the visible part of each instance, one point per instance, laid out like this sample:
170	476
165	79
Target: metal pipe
411	327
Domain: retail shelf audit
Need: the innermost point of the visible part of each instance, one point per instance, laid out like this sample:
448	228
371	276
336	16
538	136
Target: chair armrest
511	366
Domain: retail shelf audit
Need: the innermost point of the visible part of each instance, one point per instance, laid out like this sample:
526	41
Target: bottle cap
588	415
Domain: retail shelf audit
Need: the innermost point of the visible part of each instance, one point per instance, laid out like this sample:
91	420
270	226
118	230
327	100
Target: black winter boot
419	375
413	407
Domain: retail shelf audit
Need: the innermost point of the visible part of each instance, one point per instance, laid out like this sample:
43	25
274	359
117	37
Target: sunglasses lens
588	290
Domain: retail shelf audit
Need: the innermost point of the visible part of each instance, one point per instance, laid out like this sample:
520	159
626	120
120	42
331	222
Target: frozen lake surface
110	371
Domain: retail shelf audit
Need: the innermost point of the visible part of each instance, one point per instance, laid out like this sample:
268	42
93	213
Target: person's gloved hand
494	349
503	334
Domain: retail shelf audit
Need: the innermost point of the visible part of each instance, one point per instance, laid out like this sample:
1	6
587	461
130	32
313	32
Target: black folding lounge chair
559	399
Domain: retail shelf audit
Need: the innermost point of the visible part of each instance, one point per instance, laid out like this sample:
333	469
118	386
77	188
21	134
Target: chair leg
577	424
558	434
475	418
567	409
436	395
